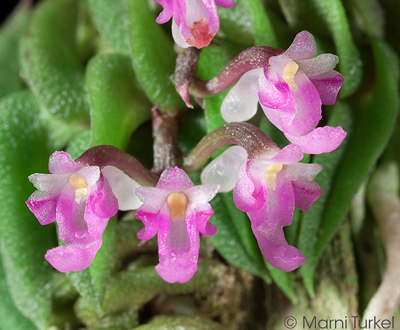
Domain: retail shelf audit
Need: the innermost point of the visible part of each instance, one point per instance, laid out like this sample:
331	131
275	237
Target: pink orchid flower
268	188
81	199
178	210
291	90
194	22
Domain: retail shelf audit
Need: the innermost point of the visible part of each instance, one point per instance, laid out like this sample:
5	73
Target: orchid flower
81	199
267	188
291	89
178	210
194	22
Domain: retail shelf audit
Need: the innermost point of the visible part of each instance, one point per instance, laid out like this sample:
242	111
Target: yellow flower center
177	203
80	185
270	175
289	72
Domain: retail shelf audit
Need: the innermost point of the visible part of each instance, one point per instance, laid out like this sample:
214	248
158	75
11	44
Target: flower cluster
267	182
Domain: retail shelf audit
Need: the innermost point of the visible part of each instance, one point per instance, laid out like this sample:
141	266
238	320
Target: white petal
122	186
224	170
178	38
318	65
241	102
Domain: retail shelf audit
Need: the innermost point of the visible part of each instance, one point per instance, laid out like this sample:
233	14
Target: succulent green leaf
10	316
110	18
181	323
10	36
118	105
50	61
153	56
261	26
374	119
24	240
350	65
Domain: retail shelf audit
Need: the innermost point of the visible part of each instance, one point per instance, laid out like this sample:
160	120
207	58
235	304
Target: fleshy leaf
10	36
50	61
263	32
10	316
153	69
370	135
118	106
350	63
111	21
24	240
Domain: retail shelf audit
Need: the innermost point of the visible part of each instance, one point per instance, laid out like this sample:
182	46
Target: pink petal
240	104
272	242
71	257
320	140
61	163
152	196
149	216
288	155
249	195
328	86
225	3
302	47
174	179
101	200
203	213
308	107
177	36
43	207
168	10
178	245
306	190
318	65
276	99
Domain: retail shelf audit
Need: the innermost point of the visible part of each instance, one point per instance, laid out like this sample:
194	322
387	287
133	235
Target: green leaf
153	56
235	24
261	26
374	120
10	316
24	240
181	323
110	19
350	64
234	239
118	106
50	61
10	35
369	16
283	280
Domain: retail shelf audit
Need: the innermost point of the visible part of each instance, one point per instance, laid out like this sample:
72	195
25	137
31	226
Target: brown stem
250	137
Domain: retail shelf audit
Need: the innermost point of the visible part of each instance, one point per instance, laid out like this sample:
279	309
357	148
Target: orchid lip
78	182
177	203
270	175
288	74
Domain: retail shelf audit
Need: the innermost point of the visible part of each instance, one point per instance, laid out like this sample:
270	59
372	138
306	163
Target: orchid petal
178	37
328	86
306	190
303	47
318	65
320	140
240	104
62	163
122	186
168	11
174	179
203	213
71	257
249	195
225	3
152	196
149	216
43	206
224	169
288	155
178	247
198	195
